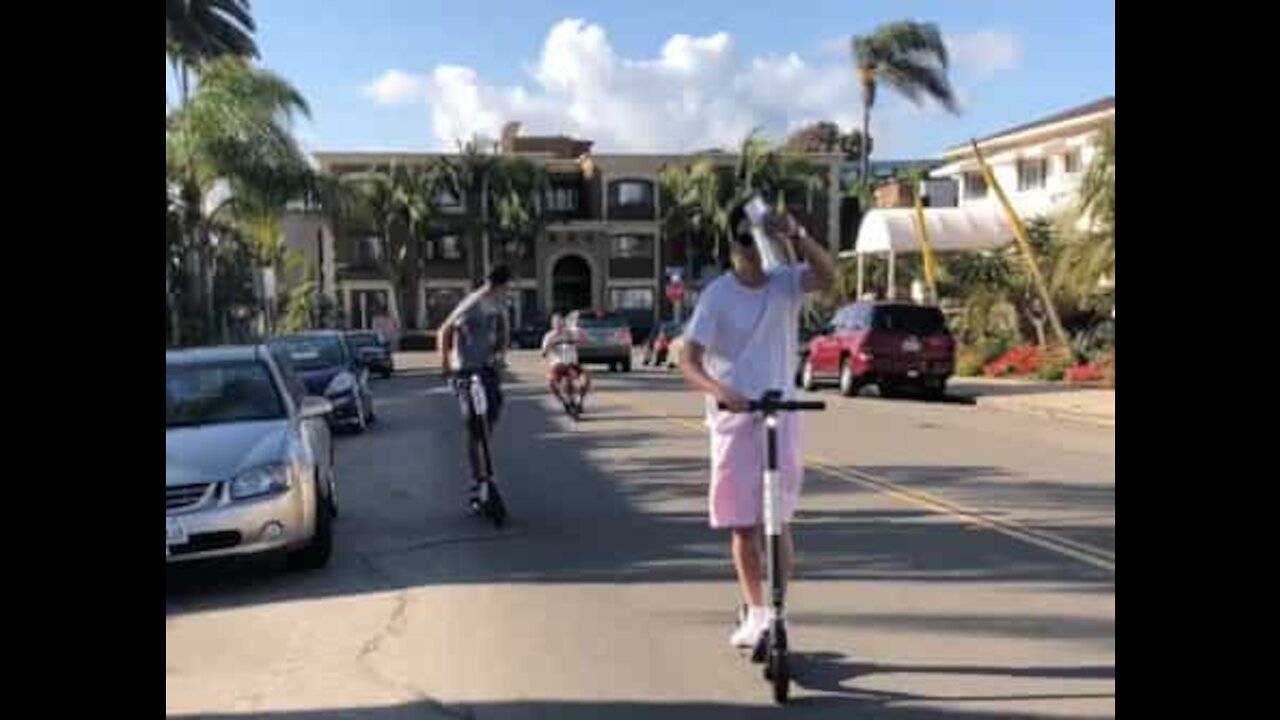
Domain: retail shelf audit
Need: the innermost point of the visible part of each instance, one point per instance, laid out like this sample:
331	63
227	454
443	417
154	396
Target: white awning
950	229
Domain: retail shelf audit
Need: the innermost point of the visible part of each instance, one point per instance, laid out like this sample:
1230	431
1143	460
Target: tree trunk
409	306
175	327
208	277
868	99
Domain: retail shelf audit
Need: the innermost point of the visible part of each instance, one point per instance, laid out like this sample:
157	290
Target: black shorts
492	392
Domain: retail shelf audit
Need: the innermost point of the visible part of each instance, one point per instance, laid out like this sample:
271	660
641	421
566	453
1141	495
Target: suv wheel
848	383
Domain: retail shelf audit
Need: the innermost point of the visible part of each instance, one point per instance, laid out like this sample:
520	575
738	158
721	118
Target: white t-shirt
750	334
561	347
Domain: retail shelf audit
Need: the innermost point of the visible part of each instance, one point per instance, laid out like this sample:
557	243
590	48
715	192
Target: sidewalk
1052	400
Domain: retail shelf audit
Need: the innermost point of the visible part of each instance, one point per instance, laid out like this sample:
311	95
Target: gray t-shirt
481	331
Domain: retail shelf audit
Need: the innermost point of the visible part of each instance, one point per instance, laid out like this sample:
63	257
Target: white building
1039	165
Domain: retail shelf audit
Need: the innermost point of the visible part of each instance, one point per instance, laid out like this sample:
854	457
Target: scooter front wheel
497	509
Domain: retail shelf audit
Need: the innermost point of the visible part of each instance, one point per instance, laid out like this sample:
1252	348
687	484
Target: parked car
373	351
604	338
248	459
528	336
897	346
810	327
328	368
659	342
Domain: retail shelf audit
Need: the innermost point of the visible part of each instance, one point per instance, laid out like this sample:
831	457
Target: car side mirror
314	407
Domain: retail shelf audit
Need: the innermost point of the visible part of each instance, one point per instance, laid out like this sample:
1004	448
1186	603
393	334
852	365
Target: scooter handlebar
780	405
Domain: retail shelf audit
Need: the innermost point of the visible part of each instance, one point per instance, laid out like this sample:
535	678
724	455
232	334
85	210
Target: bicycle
772	649
487	501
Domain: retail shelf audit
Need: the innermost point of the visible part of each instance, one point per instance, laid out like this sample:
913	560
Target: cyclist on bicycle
560	346
473	341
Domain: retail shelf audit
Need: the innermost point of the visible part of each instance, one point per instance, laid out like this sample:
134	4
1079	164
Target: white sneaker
750	630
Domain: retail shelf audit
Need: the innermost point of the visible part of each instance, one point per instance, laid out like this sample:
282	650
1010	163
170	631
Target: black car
373	350
528	336
328	368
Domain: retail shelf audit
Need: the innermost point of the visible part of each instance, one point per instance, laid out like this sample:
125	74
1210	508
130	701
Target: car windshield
363	340
915	320
311	353
606	320
213	393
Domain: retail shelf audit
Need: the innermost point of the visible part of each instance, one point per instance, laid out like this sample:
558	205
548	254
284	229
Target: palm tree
1089	254
516	192
200	30
696	206
468	177
912	58
205	29
228	142
402	198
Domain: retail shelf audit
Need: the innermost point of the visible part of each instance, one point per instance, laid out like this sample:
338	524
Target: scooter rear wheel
777	669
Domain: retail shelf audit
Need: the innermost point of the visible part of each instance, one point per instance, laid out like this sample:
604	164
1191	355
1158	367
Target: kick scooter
488	501
772	649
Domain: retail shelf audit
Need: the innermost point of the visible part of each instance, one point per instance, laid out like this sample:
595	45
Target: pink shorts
737	469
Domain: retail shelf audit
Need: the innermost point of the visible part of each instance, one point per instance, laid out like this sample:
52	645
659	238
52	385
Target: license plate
176	533
911	345
913	374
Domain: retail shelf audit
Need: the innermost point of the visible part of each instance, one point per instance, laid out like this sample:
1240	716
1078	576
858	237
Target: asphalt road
955	562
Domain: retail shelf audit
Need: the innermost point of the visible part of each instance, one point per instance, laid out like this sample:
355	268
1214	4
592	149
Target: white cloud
835	47
695	94
396	87
985	52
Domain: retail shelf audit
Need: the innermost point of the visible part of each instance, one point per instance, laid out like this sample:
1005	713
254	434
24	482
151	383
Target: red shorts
559	371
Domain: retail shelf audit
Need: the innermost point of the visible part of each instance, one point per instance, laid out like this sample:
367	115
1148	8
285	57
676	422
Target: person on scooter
560	347
741	342
473	341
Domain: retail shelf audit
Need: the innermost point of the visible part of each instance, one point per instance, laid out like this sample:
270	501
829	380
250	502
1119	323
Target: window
562	199
631	298
631	246
1032	173
450	247
914	319
369	251
633	193
307	353
215	393
1071	162
440	302
975	186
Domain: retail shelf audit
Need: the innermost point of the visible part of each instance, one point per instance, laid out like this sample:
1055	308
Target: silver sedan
248	459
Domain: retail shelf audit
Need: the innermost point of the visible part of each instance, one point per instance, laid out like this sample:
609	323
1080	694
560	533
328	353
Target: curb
1085	418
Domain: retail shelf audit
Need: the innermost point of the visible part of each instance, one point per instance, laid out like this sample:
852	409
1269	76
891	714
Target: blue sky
660	75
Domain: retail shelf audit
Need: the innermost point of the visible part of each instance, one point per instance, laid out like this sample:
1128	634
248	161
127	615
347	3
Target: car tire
315	554
849	385
807	380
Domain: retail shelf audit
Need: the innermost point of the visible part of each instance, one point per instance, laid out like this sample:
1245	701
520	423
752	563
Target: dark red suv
897	346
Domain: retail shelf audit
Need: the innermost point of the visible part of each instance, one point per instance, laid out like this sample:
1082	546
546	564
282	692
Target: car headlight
260	481
341	383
